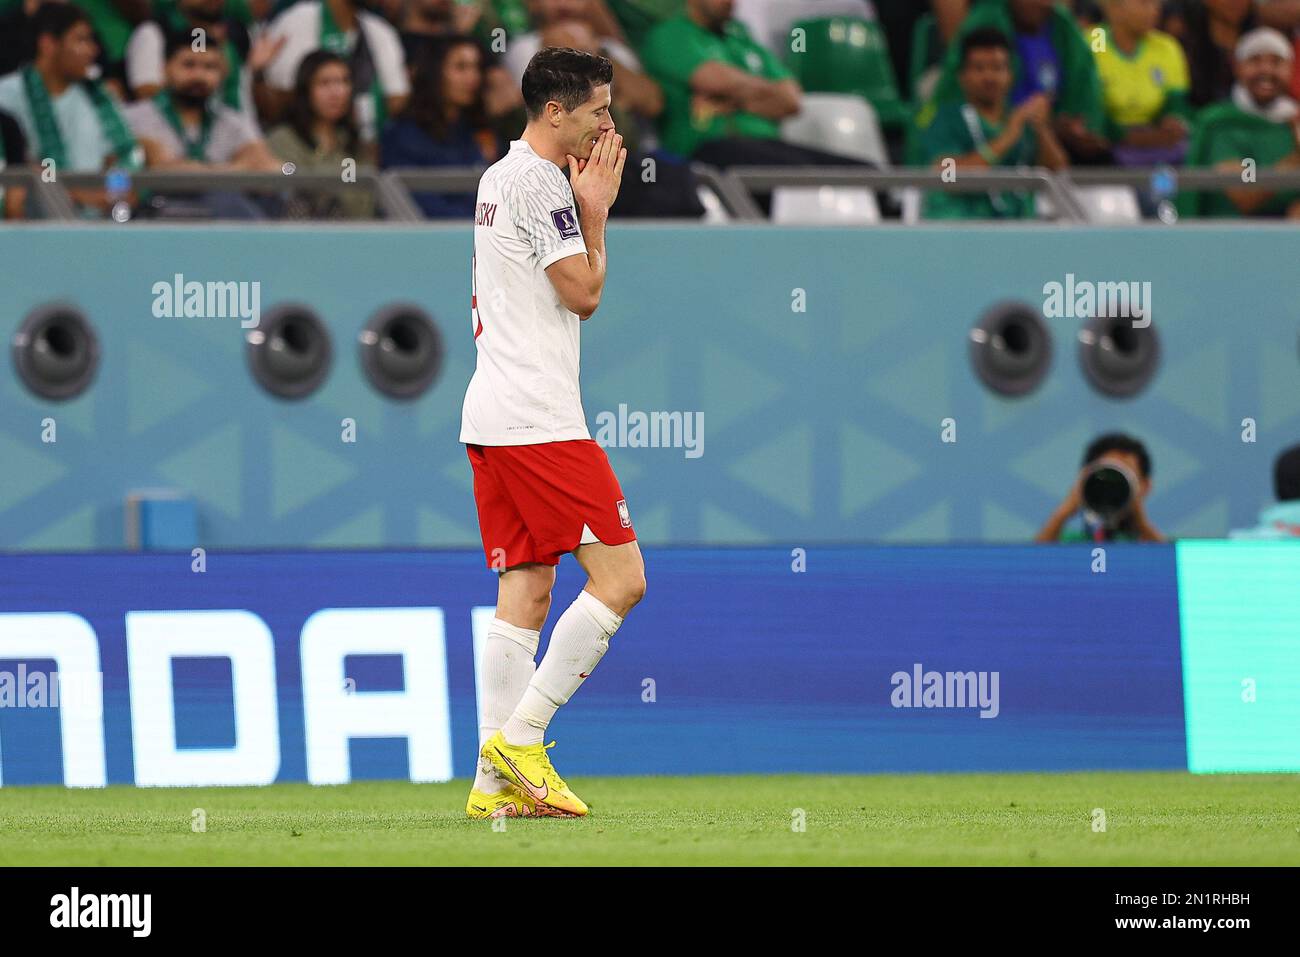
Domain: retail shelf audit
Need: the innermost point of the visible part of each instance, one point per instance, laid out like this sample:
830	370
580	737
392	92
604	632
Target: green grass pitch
979	819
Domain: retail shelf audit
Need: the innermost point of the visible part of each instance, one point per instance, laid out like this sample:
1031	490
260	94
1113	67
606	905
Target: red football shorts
536	502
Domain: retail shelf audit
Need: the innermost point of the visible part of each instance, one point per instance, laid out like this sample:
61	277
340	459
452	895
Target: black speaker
401	351
1011	348
1118	358
289	352
56	351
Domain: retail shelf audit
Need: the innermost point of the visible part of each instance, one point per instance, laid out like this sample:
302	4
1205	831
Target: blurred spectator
638	17
1211	31
1048	55
245	59
1281	520
13	152
113	21
186	127
1088	13
445	124
1259	122
319	136
983	130
899	19
574	24
1118	510
1144	85
16	40
368	42
1281	15
724	94
423	20
18	44
68	120
427	20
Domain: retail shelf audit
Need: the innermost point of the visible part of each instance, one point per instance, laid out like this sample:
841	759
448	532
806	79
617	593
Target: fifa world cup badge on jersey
624	518
565	222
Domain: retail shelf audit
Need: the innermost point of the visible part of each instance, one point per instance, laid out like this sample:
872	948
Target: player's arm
580	280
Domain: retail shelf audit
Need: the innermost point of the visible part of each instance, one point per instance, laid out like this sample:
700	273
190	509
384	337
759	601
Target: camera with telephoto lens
1108	492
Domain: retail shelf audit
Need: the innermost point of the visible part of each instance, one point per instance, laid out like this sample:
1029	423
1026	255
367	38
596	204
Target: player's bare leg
524	595
615	574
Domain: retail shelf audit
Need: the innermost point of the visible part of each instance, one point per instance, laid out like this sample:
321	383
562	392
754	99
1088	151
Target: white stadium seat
838	123
1107	205
824	206
1113	205
769	20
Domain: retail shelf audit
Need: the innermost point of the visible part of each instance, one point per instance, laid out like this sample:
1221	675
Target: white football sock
508	663
579	641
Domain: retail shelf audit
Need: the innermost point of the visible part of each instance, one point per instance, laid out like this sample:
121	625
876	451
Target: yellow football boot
508	802
528	768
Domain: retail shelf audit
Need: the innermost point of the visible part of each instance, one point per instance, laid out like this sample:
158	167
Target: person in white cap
1263	61
1256	128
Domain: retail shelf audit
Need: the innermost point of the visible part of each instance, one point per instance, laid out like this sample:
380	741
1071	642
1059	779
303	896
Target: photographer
1283	519
1109	495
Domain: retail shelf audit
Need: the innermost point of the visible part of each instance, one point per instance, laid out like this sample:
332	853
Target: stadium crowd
333	85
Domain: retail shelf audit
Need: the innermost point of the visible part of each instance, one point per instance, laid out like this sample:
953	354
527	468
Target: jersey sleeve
543	210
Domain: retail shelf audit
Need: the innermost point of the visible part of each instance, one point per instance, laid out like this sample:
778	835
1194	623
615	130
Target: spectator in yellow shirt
1144	84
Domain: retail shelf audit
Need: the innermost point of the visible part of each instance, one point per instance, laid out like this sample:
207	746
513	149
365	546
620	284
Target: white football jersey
525	386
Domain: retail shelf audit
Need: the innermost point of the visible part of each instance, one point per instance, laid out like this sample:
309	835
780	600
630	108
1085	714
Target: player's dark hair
1286	475
564	75
55	20
1119	442
983	38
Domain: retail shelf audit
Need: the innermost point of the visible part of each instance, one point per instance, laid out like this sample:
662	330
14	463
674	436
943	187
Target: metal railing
766	178
1179	178
735	187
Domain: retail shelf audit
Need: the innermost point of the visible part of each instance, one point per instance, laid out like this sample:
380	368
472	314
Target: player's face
1264	75
986	76
582	127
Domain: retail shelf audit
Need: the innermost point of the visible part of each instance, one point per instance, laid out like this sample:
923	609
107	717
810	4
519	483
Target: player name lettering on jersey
484	214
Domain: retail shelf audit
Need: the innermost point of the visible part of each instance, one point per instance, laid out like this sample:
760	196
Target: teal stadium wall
819	427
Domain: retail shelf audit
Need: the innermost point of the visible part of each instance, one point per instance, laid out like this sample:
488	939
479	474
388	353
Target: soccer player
542	486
